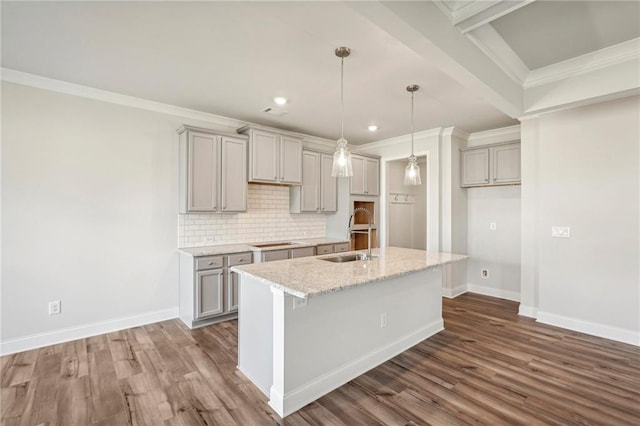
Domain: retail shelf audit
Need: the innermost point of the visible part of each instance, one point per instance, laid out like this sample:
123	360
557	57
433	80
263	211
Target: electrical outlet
55	307
209	240
560	232
484	274
384	320
299	302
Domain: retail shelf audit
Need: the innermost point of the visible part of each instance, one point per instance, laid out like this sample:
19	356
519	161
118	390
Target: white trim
26	79
592	61
489	41
494	292
453	293
86	330
455	132
299	397
503	134
595	329
435	132
482	14
528	311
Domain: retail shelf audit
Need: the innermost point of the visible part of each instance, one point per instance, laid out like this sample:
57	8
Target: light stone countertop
311	276
240	248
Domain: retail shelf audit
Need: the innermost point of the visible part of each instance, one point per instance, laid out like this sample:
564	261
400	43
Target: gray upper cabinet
490	165
234	174
273	157
366	175
213	170
318	192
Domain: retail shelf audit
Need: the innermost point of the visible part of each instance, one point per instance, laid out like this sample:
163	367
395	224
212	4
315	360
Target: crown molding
487	39
503	134
436	132
32	80
25	79
592	61
477	14
455	132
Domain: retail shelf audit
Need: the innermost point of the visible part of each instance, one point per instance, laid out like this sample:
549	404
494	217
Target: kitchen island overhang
307	326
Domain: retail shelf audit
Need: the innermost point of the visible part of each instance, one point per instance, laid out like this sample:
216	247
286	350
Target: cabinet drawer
303	252
339	248
270	256
239	259
325	249
208	262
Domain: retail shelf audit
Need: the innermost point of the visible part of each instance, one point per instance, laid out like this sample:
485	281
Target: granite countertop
311	276
240	248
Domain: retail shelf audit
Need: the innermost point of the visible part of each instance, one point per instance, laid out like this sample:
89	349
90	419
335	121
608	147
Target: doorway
406	207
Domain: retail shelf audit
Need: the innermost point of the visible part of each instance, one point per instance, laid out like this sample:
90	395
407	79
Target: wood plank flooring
489	366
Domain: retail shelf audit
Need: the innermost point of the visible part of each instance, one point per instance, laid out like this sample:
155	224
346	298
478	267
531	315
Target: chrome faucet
369	217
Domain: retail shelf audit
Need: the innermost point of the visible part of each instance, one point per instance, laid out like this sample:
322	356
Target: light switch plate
560	232
492	226
299	302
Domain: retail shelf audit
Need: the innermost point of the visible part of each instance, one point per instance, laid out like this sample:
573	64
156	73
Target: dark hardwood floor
489	366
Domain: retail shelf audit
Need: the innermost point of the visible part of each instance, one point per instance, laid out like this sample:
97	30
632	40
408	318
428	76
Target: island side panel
255	332
339	336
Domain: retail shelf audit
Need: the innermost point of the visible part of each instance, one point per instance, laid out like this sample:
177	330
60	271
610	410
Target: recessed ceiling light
280	100
372	127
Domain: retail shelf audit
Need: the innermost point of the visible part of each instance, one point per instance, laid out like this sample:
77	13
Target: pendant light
412	171
342	157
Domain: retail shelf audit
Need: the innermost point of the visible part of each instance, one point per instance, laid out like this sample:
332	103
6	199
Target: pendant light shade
342	166
412	171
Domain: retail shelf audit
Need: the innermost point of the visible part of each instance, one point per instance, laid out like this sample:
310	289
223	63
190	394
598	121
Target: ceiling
233	58
545	32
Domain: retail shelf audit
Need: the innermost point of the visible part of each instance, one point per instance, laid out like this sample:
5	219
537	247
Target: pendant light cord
412	93
341	98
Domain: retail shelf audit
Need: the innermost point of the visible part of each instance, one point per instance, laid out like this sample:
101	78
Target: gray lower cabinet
333	248
208	288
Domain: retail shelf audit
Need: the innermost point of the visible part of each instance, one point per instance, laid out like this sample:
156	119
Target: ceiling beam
477	14
422	27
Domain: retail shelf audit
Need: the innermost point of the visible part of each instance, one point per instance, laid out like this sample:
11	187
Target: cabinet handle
210	263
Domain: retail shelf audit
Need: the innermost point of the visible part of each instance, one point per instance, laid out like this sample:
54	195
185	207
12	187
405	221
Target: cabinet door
358	180
505	161
234	175
290	160
209	286
310	191
270	256
264	156
475	167
203	170
328	185
232	291
372	176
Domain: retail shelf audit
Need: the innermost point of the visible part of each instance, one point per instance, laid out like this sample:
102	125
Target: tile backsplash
267	219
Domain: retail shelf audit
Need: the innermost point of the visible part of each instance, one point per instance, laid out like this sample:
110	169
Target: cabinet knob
210	263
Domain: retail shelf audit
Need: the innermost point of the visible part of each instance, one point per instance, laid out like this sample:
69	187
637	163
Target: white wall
497	251
89	212
583	171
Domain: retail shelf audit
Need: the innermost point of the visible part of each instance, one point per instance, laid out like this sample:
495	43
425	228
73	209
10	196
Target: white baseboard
86	330
595	329
528	311
309	392
453	293
494	292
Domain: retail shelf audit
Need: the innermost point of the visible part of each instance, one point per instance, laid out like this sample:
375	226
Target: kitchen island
307	326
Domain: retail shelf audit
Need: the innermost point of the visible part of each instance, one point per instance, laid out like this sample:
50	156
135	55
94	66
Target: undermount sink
273	245
346	258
